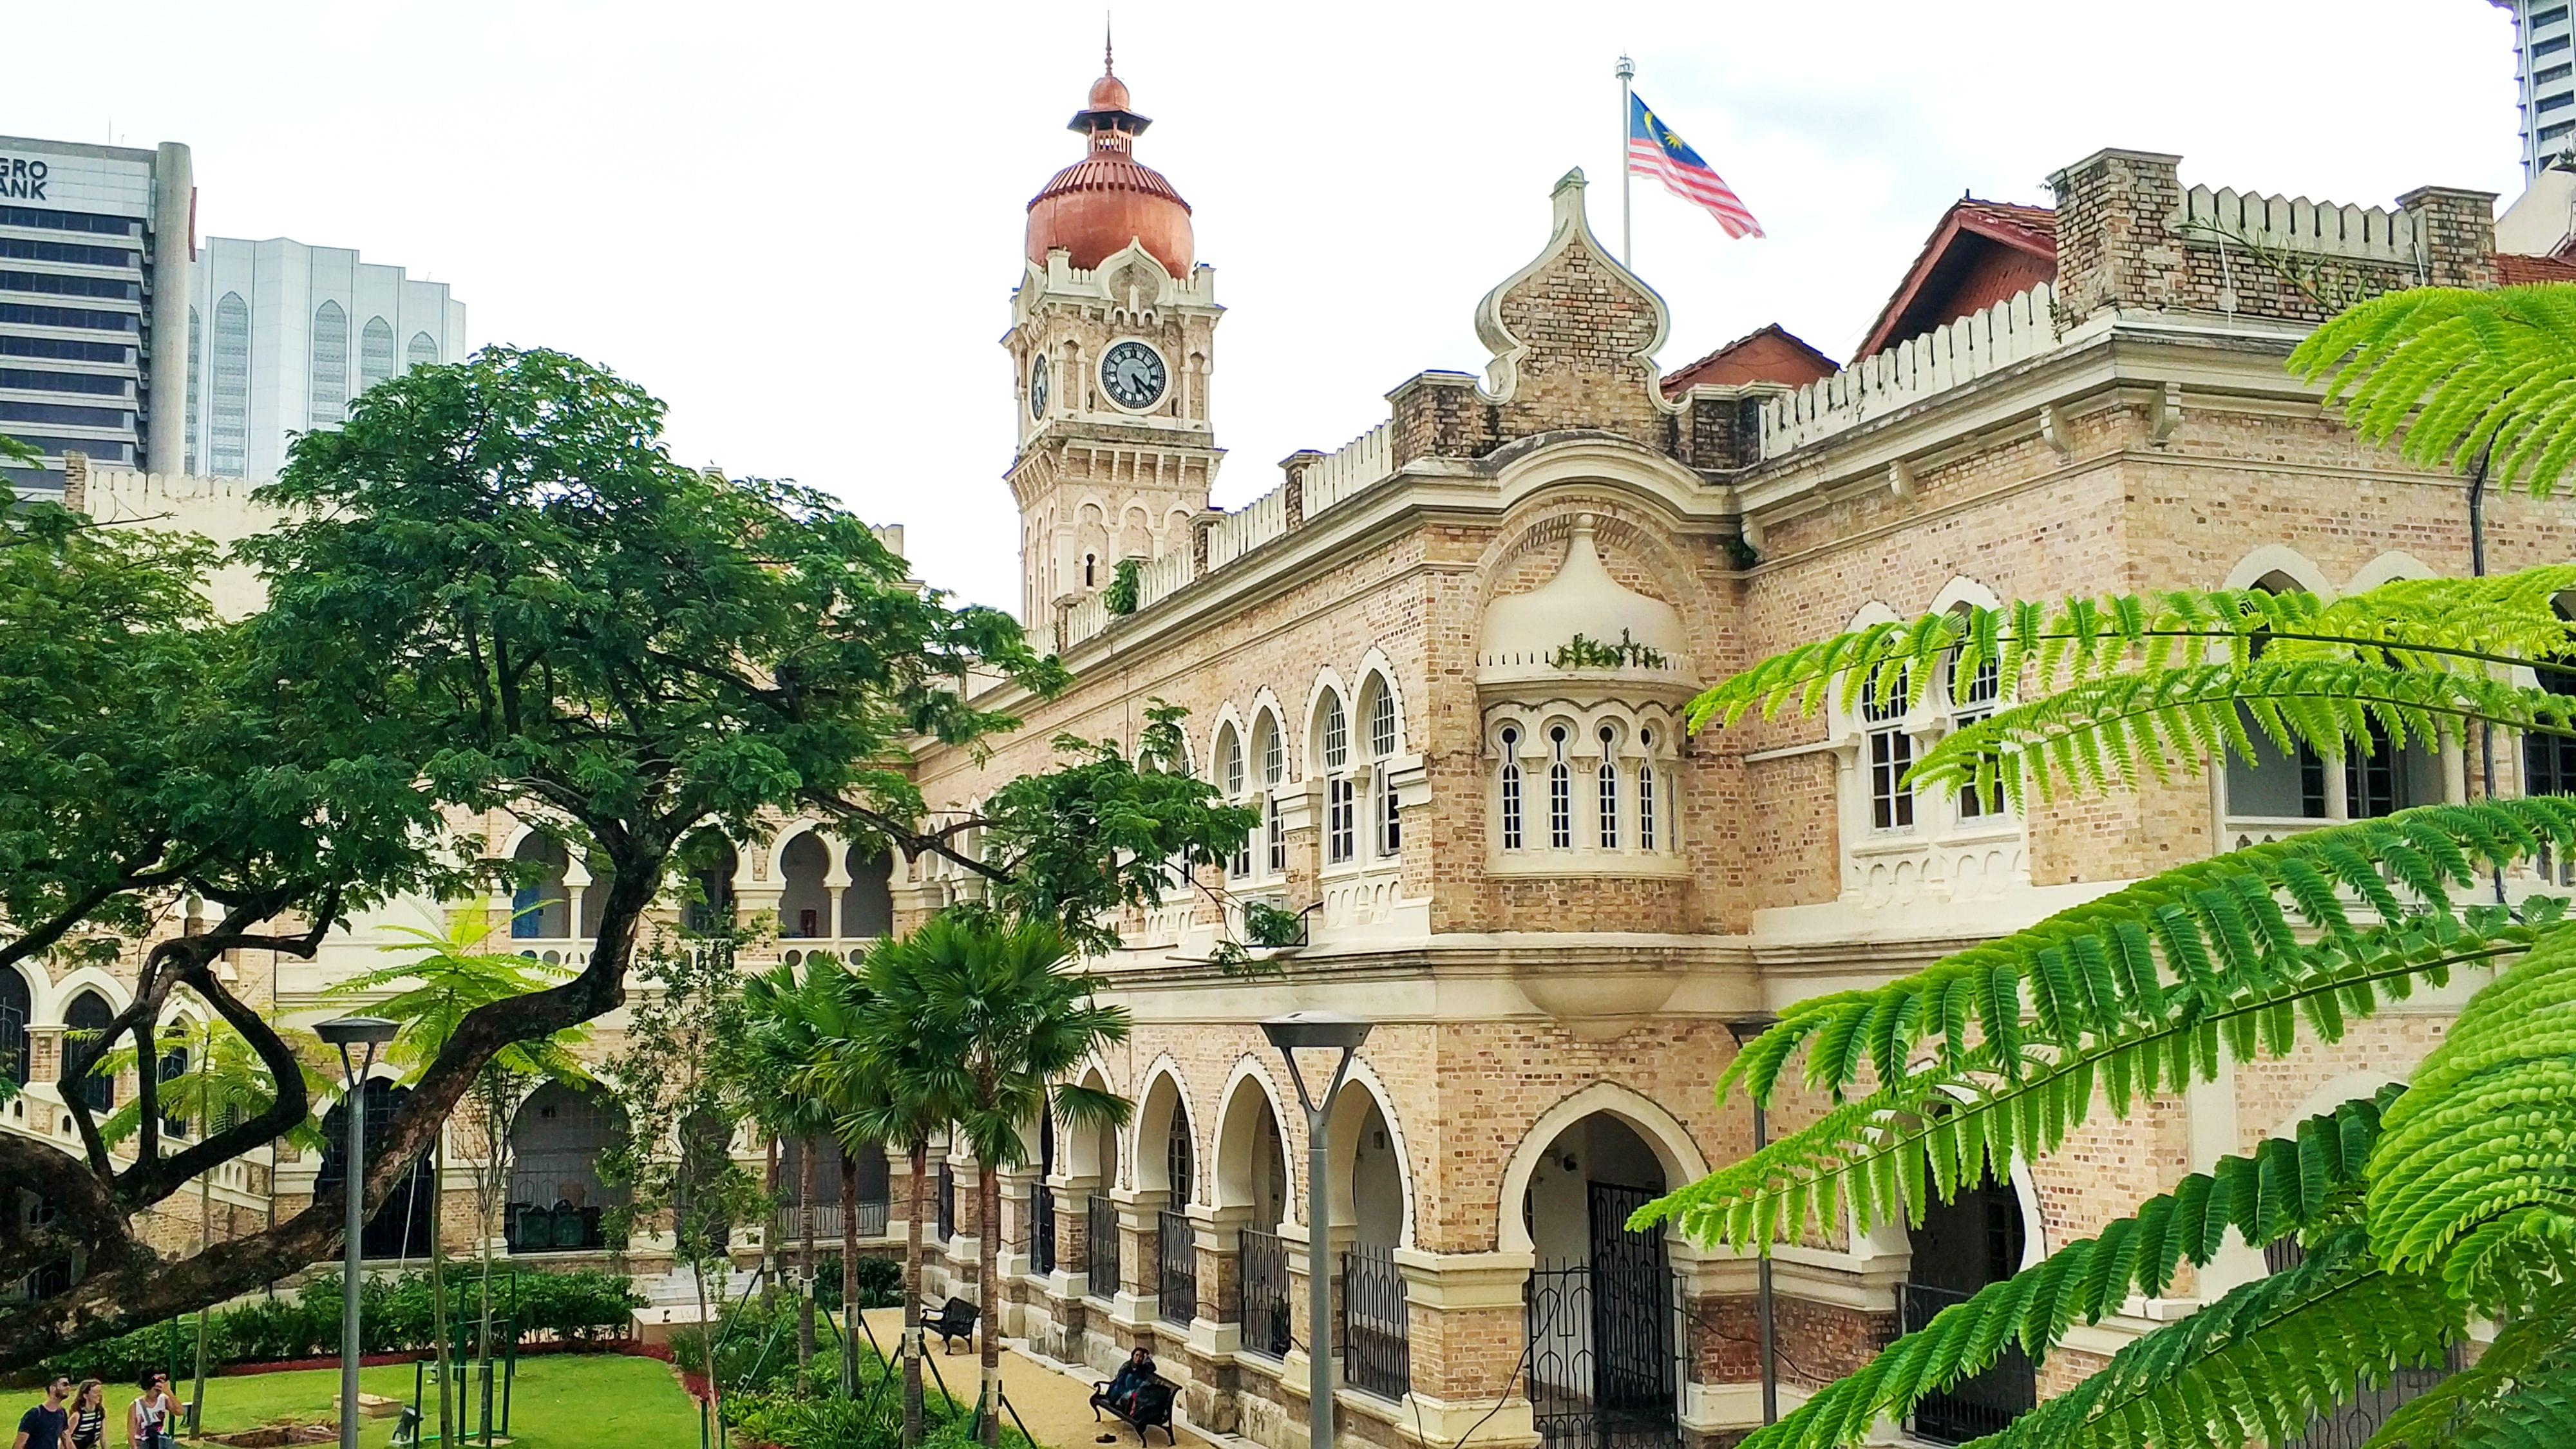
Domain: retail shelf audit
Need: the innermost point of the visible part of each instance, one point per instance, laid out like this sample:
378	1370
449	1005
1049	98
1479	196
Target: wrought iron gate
1604	1351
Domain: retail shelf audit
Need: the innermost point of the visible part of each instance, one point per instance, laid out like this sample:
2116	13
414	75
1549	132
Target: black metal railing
1261	1292
873	1218
1042	1228
1971	1408
2355	1420
1377	1355
557	1227
1176	1268
1100	1251
1604	1355
947	1202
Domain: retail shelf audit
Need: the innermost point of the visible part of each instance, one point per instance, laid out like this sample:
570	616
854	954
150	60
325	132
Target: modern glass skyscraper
282	336
2544	72
94	273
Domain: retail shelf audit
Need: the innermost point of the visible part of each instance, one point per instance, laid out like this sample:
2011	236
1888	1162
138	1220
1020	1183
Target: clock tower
1112	333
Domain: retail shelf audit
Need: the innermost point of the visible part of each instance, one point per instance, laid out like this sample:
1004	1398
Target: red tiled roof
2516	271
1770	354
1970	225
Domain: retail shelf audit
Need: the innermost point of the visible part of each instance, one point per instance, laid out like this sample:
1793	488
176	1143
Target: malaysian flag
1653	150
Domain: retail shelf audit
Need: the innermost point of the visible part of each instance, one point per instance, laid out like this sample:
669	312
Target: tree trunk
849	1275
988	1284
769	1254
912	1297
483	1339
805	1255
205	1240
449	1402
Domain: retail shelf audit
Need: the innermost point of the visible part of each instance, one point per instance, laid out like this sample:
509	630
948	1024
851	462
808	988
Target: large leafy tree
148	760
493	590
1006	1016
2419	1209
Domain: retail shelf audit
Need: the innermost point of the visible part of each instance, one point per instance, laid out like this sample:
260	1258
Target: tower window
1511	789
1560	793
1608	782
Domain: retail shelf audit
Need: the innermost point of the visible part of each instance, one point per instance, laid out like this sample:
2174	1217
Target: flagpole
1627	73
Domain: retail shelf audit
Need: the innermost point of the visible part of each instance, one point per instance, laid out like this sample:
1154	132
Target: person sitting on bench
1132	1378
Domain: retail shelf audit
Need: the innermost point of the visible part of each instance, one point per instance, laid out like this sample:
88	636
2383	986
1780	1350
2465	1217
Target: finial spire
1108	46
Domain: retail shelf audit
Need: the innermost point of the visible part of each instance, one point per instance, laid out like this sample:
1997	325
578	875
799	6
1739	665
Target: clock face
1132	374
1038	386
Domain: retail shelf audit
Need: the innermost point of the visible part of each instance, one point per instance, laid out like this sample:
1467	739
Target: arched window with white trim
1231	781
1646	837
1272	748
1972	698
1511	788
1891	753
1560	791
1388	821
1341	799
330	366
1606	787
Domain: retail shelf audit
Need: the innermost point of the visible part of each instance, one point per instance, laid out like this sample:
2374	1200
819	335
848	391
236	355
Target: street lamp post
1330	1031
1744	1032
370	1033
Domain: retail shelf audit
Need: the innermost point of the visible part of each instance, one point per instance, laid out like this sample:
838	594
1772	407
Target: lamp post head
349	1031
1745	1029
1300	1029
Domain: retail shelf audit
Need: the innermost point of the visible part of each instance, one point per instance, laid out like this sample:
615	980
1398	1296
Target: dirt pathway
1055	1406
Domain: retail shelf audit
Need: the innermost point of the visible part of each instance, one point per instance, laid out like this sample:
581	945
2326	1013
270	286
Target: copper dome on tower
1096	206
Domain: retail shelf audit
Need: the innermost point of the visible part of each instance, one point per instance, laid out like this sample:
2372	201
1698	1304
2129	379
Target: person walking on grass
49	1424
147	1424
89	1415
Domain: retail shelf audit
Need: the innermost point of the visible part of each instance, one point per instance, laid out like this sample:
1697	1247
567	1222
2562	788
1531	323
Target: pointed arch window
228	440
375	353
1230	782
1972	699
1646	791
86	1021
1511	788
173	1066
1607	784
1560	792
422	352
1274	773
1341	804
330	391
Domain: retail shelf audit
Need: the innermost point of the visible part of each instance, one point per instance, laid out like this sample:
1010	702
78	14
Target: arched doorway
824	1206
400	1227
1368	1193
708	861
557	1201
804	900
541	906
1167	1165
85	1023
1976	1238
867	904
1604	1356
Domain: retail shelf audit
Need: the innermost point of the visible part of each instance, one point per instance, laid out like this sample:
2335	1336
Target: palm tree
226	1082
1007	1015
886	1084
2419	1209
787	1013
443	978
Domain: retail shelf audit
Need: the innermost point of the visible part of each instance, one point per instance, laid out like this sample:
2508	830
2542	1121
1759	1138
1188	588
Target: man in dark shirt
49	1424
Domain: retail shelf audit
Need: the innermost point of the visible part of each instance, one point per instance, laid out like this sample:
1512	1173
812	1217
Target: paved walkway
1055	1406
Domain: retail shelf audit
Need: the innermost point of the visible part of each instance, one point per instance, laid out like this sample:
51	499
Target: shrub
880	1283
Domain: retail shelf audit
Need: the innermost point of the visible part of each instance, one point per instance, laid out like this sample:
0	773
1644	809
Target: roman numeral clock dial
1133	375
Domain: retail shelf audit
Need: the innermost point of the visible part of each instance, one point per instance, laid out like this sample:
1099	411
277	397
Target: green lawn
562	1401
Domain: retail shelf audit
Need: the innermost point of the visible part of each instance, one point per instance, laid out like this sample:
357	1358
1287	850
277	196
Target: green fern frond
2490	1126
2520	1394
2286	1185
2107	965
2462	374
2455	625
2257	1365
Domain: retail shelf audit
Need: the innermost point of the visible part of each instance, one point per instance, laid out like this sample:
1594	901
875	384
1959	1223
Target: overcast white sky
799	225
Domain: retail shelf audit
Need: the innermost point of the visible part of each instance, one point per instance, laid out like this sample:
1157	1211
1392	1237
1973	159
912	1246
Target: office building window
66	349
228	444
330	393
196	348
27	249
70	221
39	316
65	413
103	384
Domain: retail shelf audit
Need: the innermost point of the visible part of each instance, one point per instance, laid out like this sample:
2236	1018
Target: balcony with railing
789	1225
1262	1293
1377	1353
1100	1256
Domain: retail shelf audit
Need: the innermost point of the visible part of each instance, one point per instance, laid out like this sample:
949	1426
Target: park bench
1151	1410
951	1321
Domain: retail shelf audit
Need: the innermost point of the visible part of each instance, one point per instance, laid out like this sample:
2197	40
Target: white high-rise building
282	335
2544	73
